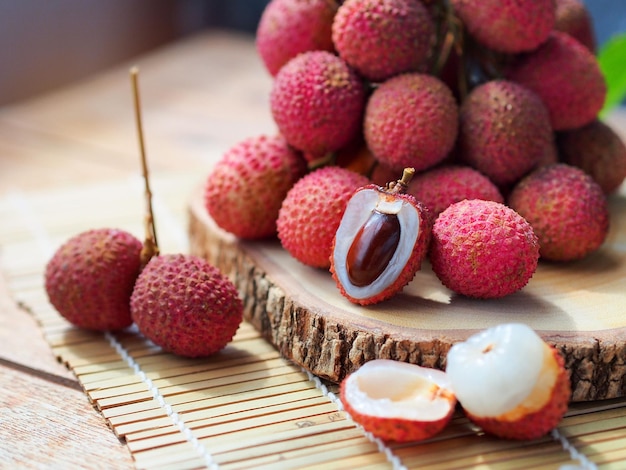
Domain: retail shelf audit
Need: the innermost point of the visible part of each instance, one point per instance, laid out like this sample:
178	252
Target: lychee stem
150	245
400	186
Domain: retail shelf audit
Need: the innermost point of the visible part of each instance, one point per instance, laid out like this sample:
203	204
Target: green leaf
612	60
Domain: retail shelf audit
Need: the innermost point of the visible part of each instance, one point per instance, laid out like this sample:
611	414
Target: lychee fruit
566	208
509	26
509	381
380	243
383	38
185	305
90	278
288	27
483	249
442	186
411	121
567	77
573	18
246	187
504	130
398	401
311	212
317	102
598	151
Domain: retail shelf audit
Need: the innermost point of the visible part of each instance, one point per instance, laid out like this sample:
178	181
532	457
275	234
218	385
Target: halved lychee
380	243
509	381
398	401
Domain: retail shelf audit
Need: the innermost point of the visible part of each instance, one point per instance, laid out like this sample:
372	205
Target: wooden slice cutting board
579	307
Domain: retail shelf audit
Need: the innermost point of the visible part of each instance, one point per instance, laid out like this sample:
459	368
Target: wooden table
199	97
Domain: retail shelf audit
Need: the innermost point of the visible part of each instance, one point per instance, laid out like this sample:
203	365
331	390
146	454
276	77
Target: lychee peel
567	209
90	278
567	77
289	27
245	189
317	102
185	305
411	121
383	38
483	249
311	212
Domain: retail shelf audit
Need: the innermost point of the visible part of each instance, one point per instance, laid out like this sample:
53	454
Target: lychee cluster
475	96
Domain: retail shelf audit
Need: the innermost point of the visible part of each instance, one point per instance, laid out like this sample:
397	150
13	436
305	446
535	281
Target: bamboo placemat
246	407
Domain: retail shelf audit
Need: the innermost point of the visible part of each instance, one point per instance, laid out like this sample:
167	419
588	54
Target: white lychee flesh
391	389
505	371
359	208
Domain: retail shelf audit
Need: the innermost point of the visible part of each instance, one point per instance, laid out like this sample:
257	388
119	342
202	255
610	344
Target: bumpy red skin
383	38
395	429
483	249
186	306
413	264
440	187
504	130
289	27
245	189
567	77
510	26
312	210
411	121
566	208
90	278
537	424
573	18
598	151
317	102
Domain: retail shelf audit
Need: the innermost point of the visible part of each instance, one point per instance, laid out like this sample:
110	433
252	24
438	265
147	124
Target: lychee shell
89	279
483	249
185	305
245	189
312	210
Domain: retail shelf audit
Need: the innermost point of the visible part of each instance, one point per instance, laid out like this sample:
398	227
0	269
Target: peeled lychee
383	38
398	401
567	77
288	27
504	130
509	381
380	242
90	278
598	151
573	18
312	210
566	208
440	187
185	305
510	26
483	249
245	189
317	102
411	121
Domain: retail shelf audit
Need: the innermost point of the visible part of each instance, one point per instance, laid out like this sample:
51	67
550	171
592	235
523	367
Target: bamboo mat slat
245	407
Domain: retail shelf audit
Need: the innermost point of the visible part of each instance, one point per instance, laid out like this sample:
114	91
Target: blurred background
45	44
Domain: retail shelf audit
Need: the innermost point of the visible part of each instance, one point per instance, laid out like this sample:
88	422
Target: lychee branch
150	246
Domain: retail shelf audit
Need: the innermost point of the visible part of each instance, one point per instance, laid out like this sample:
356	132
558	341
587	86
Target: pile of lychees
462	131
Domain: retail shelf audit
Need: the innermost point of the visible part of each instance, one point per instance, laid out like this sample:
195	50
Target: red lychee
567	77
573	18
317	102
289	27
383	38
411	121
185	305
312	210
483	249
90	278
566	208
440	187
245	189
